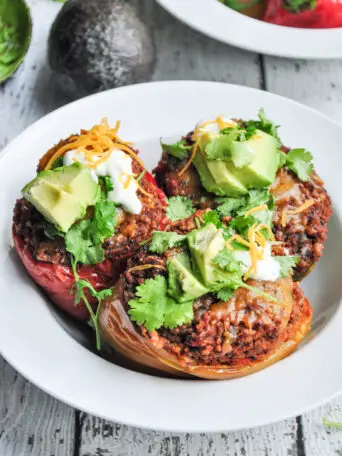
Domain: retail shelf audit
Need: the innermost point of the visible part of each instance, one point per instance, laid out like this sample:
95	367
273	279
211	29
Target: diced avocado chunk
75	179
57	206
182	284
63	194
262	170
205	243
216	178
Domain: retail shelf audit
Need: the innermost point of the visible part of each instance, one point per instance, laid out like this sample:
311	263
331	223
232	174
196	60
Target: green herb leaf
226	261
282	159
153	308
212	217
334	424
106	185
84	239
178	208
162	241
58	163
225	294
229	206
286	264
51	231
265	125
300	162
219	148
178	149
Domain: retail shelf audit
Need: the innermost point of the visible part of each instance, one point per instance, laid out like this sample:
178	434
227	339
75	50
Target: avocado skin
95	45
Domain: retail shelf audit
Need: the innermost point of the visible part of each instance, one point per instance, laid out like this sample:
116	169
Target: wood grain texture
101	438
314	83
33	423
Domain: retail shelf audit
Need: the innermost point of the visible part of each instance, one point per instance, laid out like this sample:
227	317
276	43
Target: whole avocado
96	45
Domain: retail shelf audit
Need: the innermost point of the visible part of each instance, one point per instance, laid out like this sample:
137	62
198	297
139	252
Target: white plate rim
217	21
321	344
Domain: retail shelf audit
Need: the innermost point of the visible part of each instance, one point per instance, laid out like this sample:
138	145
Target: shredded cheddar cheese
97	144
195	137
263	207
302	208
146	266
283	218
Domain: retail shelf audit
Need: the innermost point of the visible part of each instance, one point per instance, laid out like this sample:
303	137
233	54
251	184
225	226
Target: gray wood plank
314	83
100	437
31	422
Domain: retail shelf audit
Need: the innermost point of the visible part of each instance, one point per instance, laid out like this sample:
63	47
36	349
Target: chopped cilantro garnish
229	206
226	147
328	423
212	217
58	163
106	184
265	125
178	149
154	308
226	261
162	241
300	162
79	289
84	239
286	264
178	208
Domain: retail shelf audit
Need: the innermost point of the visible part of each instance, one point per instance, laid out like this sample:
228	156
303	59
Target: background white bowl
224	24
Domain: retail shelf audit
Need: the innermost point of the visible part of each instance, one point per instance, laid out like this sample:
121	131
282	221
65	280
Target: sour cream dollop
119	168
267	269
212	128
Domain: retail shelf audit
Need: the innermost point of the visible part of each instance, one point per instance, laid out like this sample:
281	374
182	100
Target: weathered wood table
33	423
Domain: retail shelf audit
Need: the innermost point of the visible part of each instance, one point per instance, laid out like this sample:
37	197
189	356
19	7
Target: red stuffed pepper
305	13
89	208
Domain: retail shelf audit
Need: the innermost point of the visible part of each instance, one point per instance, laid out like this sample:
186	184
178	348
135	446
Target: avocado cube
57	206
182	284
75	179
261	171
216	177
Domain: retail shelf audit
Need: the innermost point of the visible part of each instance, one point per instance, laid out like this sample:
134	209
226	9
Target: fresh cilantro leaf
178	208
225	260
286	264
79	289
153	308
80	244
58	163
219	148
241	155
257	198
104	221
51	231
225	294
265	125
282	159
162	241
241	224
106	185
300	162
84	239
178	314
178	149
334	424
212	217
229	206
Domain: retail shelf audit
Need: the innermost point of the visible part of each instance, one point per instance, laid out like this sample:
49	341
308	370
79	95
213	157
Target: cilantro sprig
154	308
299	161
179	149
178	208
287	263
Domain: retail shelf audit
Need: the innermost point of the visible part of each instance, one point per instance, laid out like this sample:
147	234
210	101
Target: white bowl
45	346
224	24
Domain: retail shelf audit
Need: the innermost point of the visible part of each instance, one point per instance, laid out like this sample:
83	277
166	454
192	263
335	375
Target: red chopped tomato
305	13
